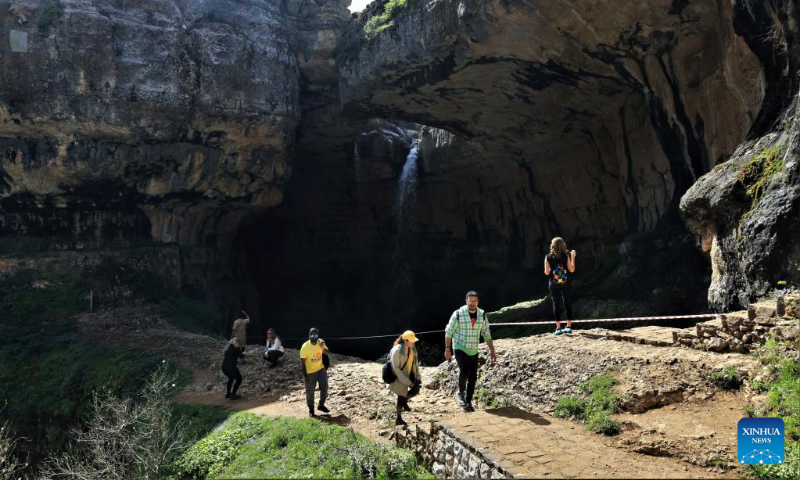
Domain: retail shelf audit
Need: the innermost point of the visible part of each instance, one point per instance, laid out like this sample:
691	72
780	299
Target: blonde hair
558	247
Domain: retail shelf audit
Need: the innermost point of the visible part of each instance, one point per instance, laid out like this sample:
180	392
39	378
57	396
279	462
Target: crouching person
274	348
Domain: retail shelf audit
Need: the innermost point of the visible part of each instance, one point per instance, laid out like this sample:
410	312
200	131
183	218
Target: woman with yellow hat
405	365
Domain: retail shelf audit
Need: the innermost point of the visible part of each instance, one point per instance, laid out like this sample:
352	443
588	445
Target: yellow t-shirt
312	355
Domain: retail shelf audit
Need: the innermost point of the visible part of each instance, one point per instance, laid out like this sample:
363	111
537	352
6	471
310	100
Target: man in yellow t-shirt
314	371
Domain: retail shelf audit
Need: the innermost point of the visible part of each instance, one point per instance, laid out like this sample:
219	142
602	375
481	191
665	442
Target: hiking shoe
399	421
567	330
323	408
460	400
469	408
235	397
228	395
558	332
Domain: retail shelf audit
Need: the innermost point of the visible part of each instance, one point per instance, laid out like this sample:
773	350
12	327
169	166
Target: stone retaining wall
448	455
735	332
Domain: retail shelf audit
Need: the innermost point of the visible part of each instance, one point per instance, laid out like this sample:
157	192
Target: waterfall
404	256
406	196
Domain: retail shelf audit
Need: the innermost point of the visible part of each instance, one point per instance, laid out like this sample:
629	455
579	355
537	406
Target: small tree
10	466
122	438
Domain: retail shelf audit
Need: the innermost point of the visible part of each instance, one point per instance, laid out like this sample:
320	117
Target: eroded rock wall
182	120
157	103
601	117
746	212
170	120
554	118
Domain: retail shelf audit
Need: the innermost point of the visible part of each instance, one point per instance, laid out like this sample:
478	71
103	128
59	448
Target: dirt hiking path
685	428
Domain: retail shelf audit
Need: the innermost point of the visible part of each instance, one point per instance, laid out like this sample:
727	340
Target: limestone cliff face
149	115
746	212
554	118
597	118
438	156
171	120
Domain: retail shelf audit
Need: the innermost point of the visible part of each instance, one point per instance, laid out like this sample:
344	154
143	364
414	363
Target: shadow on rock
514	412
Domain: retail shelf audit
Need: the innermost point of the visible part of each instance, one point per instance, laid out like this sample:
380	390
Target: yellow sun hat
409	335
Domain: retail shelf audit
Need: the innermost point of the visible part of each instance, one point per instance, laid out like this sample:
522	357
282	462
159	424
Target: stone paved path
541	446
650	335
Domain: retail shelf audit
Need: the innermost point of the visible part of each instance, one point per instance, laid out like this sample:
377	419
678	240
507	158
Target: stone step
766	309
731	332
656	336
687	334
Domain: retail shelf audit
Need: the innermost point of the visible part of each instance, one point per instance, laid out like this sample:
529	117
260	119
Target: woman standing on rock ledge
557	266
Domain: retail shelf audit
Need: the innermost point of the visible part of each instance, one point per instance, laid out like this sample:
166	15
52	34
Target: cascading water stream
406	196
405	204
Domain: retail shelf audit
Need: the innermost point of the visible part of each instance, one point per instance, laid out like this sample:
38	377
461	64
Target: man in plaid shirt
462	334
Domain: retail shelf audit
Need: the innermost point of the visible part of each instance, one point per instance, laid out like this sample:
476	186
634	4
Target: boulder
716	344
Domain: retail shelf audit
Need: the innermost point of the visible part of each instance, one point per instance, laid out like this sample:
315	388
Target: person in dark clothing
558	264
233	352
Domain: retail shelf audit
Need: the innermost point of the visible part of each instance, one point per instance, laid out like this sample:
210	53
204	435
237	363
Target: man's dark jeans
467	374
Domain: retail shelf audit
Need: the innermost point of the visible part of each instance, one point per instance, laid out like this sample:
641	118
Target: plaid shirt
466	336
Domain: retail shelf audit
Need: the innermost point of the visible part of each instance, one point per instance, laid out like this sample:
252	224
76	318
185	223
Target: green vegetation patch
488	396
782	389
594	406
758	172
570	407
51	12
378	23
23	246
257	447
49	375
187	312
191	314
728	378
60	294
196	421
199	420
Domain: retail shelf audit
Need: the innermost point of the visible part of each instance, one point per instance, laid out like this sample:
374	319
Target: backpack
388	373
559	273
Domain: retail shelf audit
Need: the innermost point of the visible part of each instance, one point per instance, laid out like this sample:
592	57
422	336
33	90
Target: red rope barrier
624	319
